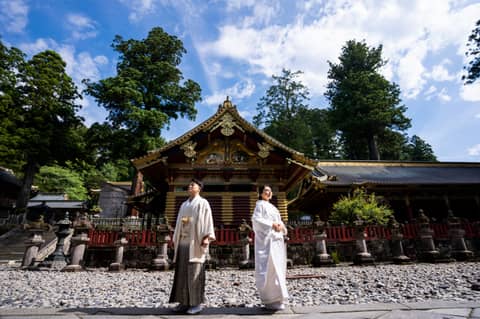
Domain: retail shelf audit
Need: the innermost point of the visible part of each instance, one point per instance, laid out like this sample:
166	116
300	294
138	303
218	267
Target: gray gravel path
344	284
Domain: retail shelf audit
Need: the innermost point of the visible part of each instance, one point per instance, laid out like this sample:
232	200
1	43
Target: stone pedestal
161	261
321	258
57	260
210	263
428	252
362	257
118	265
459	248
79	243
34	242
397	248
245	262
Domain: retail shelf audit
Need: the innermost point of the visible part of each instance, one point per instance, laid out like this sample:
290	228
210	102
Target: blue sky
234	47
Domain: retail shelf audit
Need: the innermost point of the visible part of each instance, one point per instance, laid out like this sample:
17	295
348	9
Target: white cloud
79	66
139	8
443	95
474	150
440	72
240	90
13	15
410	32
470	92
82	27
477	116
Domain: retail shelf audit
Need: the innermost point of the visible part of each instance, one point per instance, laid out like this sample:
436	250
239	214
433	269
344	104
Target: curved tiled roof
226	107
396	173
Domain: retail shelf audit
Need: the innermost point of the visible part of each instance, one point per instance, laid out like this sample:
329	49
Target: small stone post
34	242
397	246
428	252
321	258
286	239
244	231
79	242
120	244
163	238
456	234
57	259
363	256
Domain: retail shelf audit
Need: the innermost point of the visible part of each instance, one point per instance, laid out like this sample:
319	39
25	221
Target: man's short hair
198	182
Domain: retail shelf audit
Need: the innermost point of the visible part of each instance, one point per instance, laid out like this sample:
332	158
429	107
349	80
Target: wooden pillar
409	208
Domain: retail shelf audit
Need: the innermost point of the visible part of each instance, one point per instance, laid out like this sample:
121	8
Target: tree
41	115
363	104
11	61
285	116
143	97
57	179
473	52
419	150
360	206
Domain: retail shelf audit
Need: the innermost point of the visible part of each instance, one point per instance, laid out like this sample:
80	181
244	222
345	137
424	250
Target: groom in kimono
193	233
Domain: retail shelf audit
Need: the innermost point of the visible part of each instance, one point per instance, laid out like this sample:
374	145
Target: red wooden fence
225	236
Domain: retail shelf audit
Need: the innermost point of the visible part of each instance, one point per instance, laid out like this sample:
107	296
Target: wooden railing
226	236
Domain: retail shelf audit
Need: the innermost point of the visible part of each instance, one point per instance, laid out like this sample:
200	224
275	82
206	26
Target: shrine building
232	157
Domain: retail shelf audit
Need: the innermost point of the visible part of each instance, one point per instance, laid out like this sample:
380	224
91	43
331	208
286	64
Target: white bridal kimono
270	255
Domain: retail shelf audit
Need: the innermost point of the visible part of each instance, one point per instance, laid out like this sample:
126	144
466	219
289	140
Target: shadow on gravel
168	311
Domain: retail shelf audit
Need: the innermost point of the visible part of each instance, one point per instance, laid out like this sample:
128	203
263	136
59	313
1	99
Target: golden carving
265	149
228	124
189	149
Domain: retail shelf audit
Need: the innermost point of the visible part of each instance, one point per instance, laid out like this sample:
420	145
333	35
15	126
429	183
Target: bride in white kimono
270	255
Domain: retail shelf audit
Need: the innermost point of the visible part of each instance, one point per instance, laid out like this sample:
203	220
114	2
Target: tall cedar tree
287	118
41	113
363	104
473	52
142	98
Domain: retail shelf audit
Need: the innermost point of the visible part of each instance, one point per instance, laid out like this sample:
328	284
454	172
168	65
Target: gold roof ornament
265	149
189	149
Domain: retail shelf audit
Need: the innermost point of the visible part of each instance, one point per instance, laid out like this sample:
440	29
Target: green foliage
37	114
286	116
360	206
147	92
419	150
57	179
363	104
335	257
473	52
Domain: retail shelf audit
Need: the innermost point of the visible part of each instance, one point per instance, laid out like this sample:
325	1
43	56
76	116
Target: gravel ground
307	286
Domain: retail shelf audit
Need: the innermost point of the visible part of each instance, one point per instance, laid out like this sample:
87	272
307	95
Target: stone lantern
456	234
321	258
244	231
120	244
363	256
57	260
428	252
79	241
397	246
163	238
34	241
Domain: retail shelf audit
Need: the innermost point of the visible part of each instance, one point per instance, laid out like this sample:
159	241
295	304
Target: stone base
363	259
400	260
116	267
462	255
322	260
210	265
246	265
73	268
